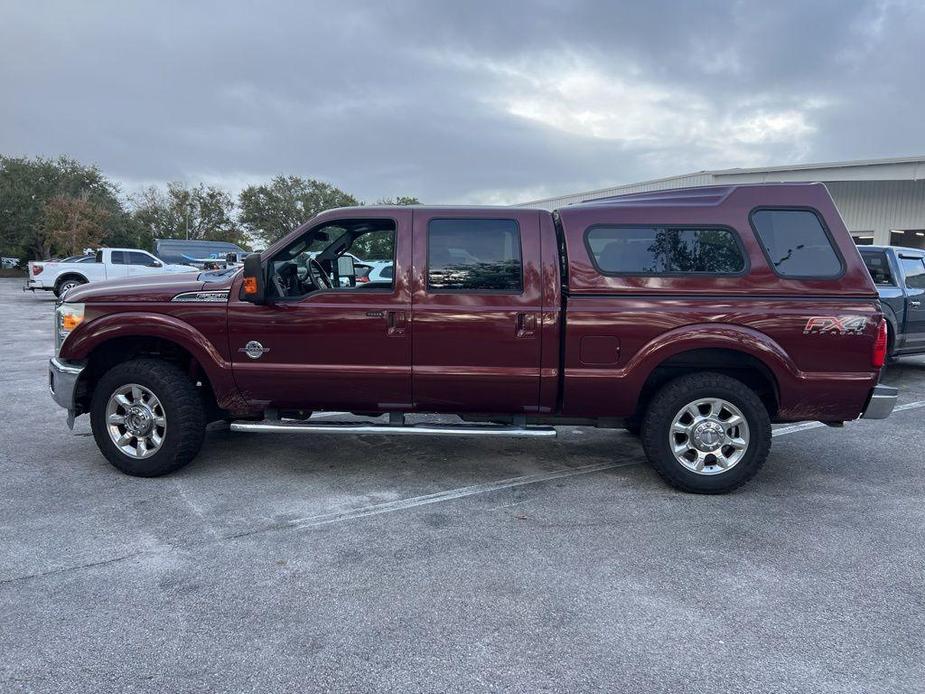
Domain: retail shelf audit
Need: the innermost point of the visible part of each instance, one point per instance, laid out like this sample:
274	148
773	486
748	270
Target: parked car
8	263
700	316
206	255
108	263
380	272
899	274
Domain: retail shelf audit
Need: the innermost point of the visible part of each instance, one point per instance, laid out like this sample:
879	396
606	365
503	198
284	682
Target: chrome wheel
709	436
69	285
136	421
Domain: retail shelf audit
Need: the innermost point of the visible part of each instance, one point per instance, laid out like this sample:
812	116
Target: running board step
277	427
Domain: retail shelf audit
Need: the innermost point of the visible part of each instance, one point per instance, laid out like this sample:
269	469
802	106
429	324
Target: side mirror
254	287
346	269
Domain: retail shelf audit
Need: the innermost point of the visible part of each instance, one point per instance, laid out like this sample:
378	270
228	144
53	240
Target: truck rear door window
879	268
914	269
474	255
117	258
658	250
796	244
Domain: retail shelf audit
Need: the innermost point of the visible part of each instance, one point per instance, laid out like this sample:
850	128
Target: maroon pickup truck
694	318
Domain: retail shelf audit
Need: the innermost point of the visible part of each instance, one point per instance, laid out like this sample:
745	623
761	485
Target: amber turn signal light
69	321
250	285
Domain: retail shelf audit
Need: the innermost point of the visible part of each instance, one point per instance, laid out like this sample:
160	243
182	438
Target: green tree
74	224
270	211
26	188
180	212
400	200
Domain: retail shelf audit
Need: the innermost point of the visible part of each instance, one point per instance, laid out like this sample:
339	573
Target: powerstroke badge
254	349
835	325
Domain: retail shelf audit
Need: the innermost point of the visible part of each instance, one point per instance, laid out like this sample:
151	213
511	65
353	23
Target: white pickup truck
109	263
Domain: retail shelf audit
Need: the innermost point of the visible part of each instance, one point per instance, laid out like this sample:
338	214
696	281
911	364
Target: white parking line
451	494
794	428
460	492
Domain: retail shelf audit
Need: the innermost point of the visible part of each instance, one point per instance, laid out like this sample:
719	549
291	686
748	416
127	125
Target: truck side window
914	269
664	251
118	258
135	258
796	244
474	255
879	268
310	263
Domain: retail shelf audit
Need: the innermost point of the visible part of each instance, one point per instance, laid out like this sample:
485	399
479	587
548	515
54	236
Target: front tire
706	433
147	417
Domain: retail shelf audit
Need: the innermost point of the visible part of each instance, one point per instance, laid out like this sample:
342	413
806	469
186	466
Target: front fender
91	335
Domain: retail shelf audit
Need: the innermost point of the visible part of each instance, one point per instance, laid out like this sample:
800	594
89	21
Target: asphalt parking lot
430	564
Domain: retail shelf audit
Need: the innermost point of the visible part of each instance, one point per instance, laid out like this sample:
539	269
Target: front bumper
62	381
881	403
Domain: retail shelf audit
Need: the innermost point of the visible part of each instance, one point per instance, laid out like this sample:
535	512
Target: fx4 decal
835	325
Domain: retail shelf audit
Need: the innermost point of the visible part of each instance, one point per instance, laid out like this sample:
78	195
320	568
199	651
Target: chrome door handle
526	324
397	321
915	303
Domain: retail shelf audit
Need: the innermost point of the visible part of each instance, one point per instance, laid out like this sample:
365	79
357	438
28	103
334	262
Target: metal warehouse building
881	200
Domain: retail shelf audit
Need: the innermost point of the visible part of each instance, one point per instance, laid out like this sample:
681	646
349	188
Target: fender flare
89	336
70	273
727	336
890	315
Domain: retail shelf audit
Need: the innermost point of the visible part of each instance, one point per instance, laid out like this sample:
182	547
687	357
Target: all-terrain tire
669	401
183	409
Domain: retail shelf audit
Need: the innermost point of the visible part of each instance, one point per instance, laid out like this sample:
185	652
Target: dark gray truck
899	274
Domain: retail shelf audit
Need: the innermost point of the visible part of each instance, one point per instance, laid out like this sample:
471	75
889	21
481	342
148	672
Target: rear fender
827	396
715	336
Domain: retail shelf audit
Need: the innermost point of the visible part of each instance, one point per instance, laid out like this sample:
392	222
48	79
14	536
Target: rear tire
65	285
152	392
710	421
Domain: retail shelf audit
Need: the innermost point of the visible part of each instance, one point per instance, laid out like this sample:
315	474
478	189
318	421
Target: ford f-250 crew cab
696	317
109	263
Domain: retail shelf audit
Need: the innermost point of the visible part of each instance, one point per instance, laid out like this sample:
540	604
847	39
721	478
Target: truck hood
145	288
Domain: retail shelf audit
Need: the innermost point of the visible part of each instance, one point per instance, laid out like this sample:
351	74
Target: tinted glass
879	268
374	245
796	243
659	250
914	269
140	259
474	254
386	272
118	258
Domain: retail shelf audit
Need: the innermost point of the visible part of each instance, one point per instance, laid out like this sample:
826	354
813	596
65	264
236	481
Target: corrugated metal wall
879	206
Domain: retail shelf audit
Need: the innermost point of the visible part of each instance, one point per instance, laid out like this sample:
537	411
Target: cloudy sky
500	101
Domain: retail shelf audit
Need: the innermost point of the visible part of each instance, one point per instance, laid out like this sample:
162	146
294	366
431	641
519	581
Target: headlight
67	317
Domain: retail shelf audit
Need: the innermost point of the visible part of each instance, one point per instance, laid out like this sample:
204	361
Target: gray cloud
458	101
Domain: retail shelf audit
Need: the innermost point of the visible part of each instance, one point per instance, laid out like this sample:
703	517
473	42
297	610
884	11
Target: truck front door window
311	263
914	269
